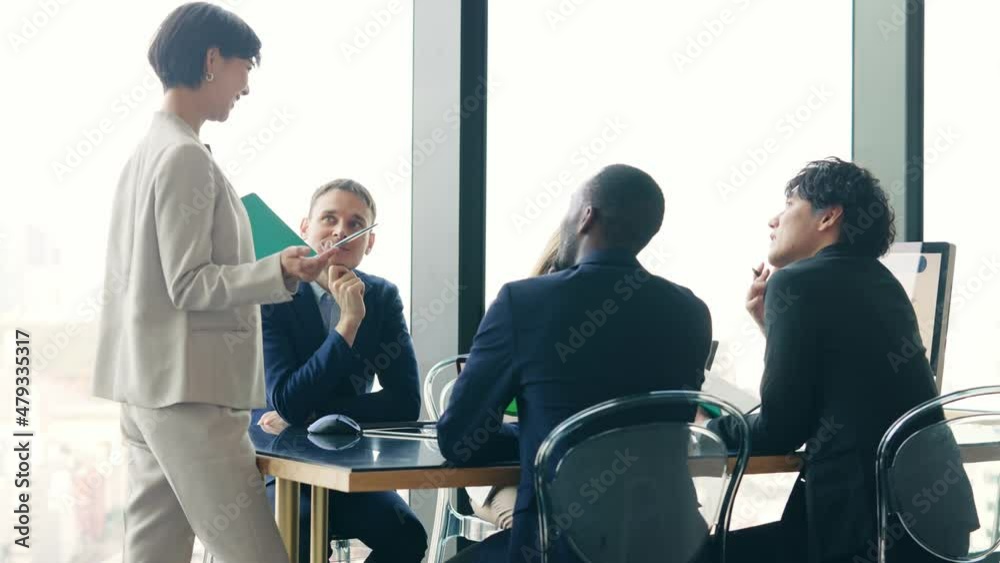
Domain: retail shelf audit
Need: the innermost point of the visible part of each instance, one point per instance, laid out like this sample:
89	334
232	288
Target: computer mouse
335	442
335	424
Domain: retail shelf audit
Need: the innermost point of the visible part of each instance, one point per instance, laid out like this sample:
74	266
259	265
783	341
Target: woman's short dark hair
868	226
177	53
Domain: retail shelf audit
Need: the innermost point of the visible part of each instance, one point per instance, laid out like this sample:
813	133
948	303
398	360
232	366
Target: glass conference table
354	464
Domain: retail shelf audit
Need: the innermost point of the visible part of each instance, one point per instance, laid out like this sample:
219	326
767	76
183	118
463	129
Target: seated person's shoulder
800	273
547	282
673	287
384	291
677	292
801	282
377	282
531	294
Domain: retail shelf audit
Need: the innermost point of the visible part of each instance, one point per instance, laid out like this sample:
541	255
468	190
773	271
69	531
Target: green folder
711	410
270	234
511	408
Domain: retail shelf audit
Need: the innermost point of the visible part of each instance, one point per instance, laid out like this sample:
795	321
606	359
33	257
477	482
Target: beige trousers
192	472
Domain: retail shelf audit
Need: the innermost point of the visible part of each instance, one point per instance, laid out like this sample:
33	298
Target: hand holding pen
755	295
347	239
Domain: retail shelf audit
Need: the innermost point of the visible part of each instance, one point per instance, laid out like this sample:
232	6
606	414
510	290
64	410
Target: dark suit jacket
560	343
843	361
311	372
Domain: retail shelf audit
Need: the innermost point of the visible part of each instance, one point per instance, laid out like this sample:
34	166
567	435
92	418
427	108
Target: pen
352	237
756	274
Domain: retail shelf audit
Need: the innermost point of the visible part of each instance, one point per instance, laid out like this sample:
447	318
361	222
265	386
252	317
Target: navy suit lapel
370	310
310	321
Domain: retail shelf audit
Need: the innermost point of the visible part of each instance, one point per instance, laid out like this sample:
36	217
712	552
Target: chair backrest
634	479
938	479
439	382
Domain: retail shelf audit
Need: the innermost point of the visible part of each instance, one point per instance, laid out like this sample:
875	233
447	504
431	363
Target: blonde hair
548	257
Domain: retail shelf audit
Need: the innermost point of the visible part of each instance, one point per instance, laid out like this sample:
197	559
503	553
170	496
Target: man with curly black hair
834	318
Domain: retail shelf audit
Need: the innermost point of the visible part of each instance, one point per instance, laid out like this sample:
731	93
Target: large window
960	187
331	99
722	102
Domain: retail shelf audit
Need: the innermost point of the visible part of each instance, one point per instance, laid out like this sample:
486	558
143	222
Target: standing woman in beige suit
180	341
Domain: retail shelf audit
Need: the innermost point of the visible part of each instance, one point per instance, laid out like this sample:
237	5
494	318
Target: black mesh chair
634	479
938	480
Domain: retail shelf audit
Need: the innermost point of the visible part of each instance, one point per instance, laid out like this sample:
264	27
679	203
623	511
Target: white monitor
925	270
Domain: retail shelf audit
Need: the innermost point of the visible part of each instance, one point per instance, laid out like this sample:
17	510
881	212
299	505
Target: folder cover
270	233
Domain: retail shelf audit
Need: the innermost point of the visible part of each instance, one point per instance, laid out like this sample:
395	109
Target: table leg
286	512
319	533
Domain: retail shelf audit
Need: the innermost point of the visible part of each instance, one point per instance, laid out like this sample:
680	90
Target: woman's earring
209	77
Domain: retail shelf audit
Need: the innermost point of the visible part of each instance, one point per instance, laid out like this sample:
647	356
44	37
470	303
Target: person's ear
304	227
831	217
371	242
587	219
213	60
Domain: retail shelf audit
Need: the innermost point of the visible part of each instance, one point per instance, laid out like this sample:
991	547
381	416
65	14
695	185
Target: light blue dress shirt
328	308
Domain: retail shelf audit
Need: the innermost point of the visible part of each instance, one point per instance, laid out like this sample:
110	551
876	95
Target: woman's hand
296	262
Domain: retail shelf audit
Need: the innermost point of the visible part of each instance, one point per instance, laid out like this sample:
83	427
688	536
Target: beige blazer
181	320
